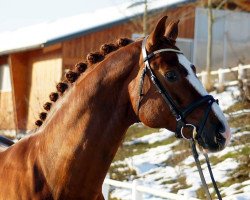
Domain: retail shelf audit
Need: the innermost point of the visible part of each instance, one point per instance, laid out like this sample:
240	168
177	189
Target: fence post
241	71
221	80
136	195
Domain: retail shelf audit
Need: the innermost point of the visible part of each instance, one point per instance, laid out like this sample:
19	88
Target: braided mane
72	75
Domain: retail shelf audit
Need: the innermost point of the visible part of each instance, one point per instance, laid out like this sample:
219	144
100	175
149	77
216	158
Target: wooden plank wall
6	105
46	72
35	75
21	87
6	115
75	50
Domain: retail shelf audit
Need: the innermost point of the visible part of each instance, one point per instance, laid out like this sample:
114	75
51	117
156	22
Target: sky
19	13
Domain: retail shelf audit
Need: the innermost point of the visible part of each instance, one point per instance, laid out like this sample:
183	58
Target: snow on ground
152	138
243	192
227	98
153	172
239	134
146	163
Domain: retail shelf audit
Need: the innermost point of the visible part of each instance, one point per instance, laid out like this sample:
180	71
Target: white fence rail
138	190
221	82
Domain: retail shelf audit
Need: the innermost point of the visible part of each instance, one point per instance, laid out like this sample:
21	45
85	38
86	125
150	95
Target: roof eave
108	25
21	49
88	31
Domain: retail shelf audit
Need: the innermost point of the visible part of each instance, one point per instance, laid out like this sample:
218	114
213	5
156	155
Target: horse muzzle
214	139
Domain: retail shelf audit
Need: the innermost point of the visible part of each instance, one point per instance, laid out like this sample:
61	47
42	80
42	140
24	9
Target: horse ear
172	30
158	31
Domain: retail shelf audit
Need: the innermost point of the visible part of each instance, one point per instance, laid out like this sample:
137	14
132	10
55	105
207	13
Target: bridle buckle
178	118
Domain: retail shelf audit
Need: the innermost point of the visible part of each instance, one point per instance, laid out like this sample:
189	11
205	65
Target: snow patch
152	138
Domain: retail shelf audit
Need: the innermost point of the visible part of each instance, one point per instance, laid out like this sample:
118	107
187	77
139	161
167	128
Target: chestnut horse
68	156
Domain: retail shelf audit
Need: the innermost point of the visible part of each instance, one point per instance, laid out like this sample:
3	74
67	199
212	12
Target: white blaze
195	82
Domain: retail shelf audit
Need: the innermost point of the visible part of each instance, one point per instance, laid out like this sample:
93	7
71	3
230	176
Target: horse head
170	94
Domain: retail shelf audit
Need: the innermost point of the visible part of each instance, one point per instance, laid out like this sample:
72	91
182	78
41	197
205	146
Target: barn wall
20	86
75	50
35	75
46	72
6	103
7	115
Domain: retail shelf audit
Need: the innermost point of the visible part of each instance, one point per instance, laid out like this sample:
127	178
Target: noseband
179	114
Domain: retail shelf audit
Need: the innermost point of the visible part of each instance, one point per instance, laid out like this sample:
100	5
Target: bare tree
145	17
137	24
208	83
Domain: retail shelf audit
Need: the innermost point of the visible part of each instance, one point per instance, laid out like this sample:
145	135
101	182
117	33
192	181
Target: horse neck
82	137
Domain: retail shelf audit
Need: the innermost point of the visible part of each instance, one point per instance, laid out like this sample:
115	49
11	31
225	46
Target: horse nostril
221	128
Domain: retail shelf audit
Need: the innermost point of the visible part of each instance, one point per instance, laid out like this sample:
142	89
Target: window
5	83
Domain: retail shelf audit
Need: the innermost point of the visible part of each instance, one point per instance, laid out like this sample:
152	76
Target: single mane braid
81	67
47	106
61	87
107	48
72	75
53	96
123	42
39	122
43	116
95	57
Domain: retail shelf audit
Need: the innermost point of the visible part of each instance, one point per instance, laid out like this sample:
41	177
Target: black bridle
181	114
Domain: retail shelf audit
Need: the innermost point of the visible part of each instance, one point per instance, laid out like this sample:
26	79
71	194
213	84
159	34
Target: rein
180	114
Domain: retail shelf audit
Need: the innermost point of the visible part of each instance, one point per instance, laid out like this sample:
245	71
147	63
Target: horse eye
171	76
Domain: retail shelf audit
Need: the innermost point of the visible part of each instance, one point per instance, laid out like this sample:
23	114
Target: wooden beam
13	94
20	79
52	48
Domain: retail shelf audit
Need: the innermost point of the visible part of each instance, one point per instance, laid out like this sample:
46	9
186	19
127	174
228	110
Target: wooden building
29	72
